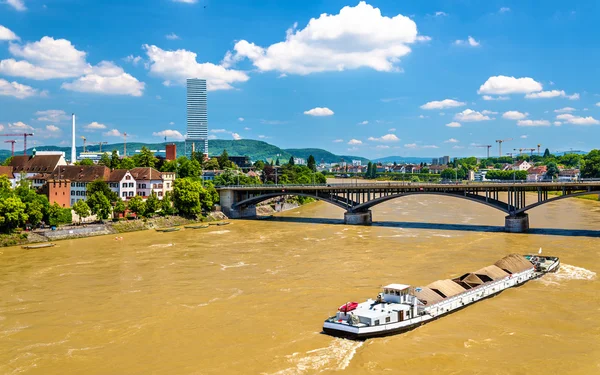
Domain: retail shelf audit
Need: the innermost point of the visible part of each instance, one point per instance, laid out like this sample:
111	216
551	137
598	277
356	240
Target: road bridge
357	199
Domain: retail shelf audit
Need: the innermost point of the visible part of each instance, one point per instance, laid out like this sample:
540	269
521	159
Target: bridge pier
516	223
358	218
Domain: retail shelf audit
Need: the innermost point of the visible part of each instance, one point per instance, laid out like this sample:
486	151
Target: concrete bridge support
517	223
358	218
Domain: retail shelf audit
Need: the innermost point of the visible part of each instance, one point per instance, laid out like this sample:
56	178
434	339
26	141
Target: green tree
166	204
5	184
172	165
82	209
414	179
320	178
571	160
291	161
224	161
259	165
99	205
12	213
152	204
115	161
311	163
186	196
54	214
369	170
127	163
211	164
119	208
104	160
212	192
35	211
546	153
552	170
591	165
145	158
277	162
425	170
103	188
7	161
86	162
137	205
189	168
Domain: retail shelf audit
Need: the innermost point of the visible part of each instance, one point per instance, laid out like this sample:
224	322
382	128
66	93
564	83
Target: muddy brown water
251	297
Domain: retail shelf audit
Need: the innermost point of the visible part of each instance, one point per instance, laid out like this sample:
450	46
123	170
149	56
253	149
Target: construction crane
12	146
488	149
24	135
125	144
84	139
499	141
100	144
531	150
520	150
539	145
509	154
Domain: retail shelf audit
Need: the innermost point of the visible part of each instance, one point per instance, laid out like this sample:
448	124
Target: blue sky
375	78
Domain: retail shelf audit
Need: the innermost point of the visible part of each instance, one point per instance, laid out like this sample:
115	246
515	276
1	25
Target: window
72	192
131	193
387	319
376	323
160	193
124	185
131	184
124	194
168	184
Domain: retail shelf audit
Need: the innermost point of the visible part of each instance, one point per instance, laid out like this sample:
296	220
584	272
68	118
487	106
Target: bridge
357	199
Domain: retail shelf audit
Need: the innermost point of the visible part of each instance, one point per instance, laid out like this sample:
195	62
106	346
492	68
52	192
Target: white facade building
197	116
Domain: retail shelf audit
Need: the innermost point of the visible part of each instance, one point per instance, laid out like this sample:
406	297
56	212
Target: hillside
403	159
256	150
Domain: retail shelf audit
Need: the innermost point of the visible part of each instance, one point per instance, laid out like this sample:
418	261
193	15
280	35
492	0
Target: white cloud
441	104
441	14
578	120
52	128
557	123
502	85
112	80
112	133
486	112
524	136
363	122
52	115
16	89
212	136
338	140
469	42
356	37
385	138
451	140
392	129
319	111
272	122
263	137
354	142
488	97
551	94
514	115
458	147
533	123
19	125
430	146
133	59
218	131
171	123
172	36
504	10
453	125
410	145
181	64
469	115
598	104
240	119
7	34
382	146
352	148
236	136
565	109
95	126
185	1
421	116
17	4
247	128
169	133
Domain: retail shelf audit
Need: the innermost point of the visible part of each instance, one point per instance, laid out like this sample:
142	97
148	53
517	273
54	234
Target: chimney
73	148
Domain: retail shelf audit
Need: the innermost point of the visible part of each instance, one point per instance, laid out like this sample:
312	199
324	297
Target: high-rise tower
197	116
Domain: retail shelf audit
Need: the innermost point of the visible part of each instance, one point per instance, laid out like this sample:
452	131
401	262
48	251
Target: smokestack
73	148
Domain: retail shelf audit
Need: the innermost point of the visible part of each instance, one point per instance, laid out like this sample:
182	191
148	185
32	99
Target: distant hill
403	159
256	150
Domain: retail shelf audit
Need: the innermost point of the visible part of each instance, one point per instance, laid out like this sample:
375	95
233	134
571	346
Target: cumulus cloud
16	90
598	104
110	80
441	14
177	66
247	128
357	37
442	104
133	59
112	133
533	123
94	126
557	123
551	94
453	125
502	85
52	128
564	110
469	115
172	36
451	140
52	115
471	42
236	136
514	115
577	120
363	122
486	112
385	138
489	97
354	142
7	34
19	125
169	133
218	131
319	111
19	5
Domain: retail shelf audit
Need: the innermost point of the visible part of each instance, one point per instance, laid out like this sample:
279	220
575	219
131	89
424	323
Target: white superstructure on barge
400	308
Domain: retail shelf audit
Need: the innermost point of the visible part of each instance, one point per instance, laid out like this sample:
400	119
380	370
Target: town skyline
422	80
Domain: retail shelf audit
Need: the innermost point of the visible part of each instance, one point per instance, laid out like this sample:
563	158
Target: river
251	297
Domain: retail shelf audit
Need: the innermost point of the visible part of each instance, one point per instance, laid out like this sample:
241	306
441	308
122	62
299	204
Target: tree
166	205
35	211
552	170
546	153
12	213
311	163
291	161
145	158
5	184
104	160
115	161
87	162
414	179
320	178
103	188
211	164
259	165
224	161
425	170
571	160
54	214
137	205
369	170
7	161
127	163
277	162
152	204
186	196
82	209
99	205
189	168
591	165
119	207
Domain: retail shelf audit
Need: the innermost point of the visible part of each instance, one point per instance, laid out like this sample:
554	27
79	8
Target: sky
372	78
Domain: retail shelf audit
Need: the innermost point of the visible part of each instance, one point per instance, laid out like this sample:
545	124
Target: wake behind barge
400	308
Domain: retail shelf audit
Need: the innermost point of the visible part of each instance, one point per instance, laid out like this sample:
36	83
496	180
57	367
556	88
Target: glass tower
197	116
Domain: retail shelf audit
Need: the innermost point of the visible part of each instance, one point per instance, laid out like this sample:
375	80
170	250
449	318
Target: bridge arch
572	195
261	198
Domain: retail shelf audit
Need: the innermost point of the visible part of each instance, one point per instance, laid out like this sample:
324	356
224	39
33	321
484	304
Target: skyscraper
197	116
